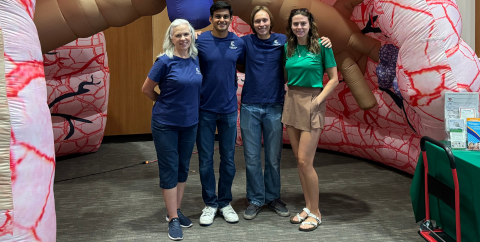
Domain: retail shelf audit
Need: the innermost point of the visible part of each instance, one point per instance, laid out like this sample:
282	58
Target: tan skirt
299	110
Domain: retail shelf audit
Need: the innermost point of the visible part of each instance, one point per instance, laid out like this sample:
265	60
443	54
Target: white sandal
314	224
299	218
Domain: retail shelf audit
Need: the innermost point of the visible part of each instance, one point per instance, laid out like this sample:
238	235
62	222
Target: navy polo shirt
264	79
179	81
218	59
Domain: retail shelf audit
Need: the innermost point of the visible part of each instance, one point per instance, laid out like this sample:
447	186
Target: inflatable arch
391	95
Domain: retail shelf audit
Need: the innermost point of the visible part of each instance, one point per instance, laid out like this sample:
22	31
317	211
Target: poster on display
473	127
457	132
456	102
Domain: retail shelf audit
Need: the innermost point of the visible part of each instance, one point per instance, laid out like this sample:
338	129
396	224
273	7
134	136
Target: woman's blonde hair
255	11
312	42
169	48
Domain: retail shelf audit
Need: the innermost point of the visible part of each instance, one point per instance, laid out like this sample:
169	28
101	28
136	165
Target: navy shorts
174	146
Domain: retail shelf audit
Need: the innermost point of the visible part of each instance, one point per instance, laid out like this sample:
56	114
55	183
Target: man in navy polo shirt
218	51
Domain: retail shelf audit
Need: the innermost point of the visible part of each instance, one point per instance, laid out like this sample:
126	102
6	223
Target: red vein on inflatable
76	47
464	86
342	96
23	73
406	7
441	2
452	51
13	167
81	68
34	227
28	4
428	69
419	95
7	227
343	129
51	63
393	15
430	115
37	152
450	21
426	46
476	76
366	115
16	163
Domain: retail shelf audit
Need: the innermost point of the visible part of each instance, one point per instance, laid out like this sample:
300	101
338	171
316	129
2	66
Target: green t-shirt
305	69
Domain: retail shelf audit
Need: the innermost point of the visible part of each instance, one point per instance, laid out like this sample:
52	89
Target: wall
467	10
129	51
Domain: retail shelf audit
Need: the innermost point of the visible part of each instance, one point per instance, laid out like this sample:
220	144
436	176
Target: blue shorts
174	146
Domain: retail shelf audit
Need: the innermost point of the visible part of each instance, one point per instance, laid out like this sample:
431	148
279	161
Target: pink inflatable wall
77	83
32	154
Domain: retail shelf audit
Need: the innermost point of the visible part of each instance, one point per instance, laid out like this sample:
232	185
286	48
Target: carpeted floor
359	200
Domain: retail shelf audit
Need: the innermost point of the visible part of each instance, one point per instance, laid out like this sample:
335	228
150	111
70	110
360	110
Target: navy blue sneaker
174	229
185	222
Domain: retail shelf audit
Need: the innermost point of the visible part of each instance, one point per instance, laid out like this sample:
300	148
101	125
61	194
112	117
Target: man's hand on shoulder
326	42
197	33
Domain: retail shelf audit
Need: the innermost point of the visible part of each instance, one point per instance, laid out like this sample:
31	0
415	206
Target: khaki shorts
299	110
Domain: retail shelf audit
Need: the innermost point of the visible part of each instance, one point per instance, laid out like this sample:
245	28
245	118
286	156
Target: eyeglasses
298	10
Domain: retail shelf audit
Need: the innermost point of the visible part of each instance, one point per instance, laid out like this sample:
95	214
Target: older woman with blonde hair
175	116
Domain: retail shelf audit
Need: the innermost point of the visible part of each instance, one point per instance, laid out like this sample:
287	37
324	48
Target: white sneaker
208	214
229	214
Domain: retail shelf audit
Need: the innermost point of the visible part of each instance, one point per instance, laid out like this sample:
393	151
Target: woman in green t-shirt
305	104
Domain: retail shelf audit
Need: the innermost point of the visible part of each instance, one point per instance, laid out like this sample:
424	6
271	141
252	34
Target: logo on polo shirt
198	71
232	45
276	43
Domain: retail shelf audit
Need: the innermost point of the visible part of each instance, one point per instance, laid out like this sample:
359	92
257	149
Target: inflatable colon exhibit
77	78
416	66
428	58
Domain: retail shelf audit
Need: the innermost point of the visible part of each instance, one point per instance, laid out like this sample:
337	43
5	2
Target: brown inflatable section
62	21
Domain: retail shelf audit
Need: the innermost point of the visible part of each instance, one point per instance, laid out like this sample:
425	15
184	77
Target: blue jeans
174	146
255	119
227	134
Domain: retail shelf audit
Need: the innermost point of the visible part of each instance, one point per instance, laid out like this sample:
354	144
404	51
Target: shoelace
253	206
180	214
172	226
228	210
278	201
208	211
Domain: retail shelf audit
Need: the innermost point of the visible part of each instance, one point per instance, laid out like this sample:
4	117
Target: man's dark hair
221	5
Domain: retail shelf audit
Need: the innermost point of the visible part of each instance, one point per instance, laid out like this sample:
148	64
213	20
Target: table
468	169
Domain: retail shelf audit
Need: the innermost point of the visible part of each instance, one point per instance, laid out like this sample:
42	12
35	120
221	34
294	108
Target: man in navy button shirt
218	51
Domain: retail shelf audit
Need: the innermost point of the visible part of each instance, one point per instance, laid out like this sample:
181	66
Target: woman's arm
331	85
149	89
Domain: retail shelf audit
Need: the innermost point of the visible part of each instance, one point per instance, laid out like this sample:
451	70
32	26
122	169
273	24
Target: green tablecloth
468	169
